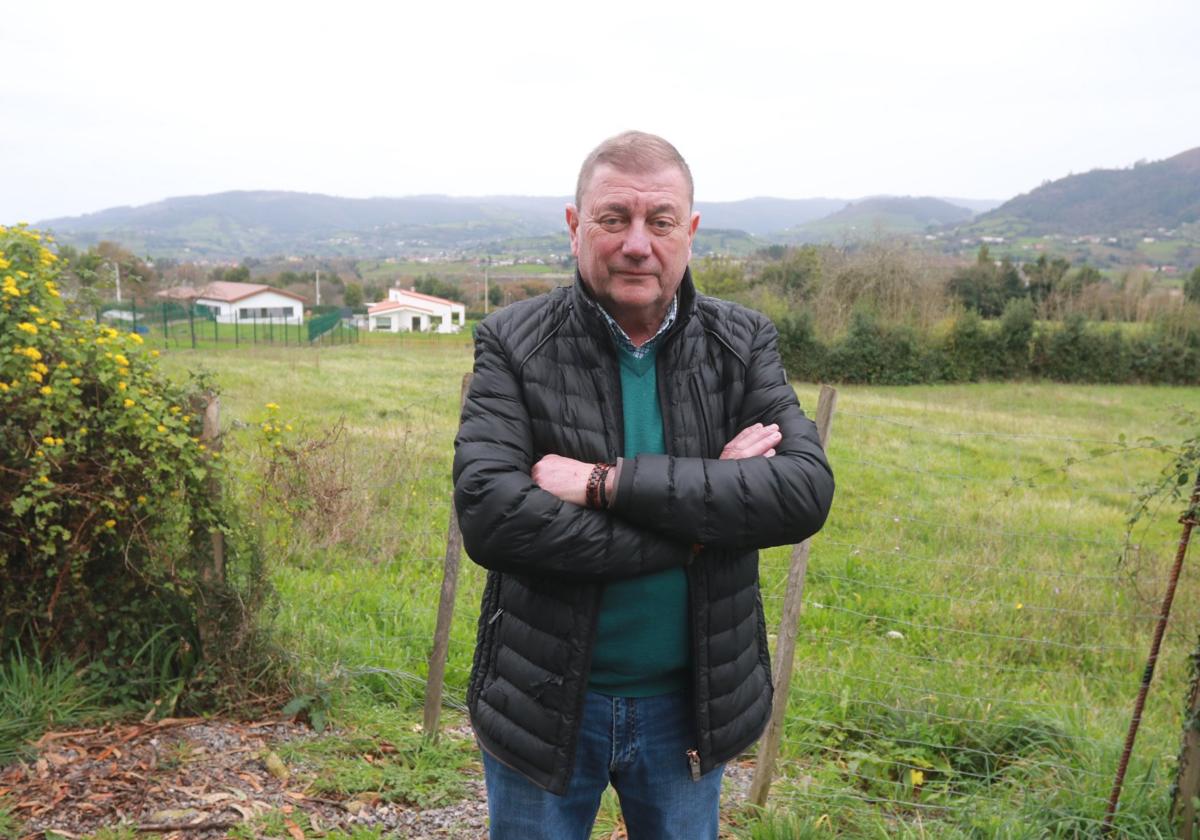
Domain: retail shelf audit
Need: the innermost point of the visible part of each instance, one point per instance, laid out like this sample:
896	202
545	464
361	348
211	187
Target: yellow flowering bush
107	501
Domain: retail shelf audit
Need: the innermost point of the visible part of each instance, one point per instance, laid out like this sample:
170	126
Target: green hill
884	215
1164	195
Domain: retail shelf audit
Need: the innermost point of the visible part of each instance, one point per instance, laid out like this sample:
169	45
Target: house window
416	323
266	313
383	323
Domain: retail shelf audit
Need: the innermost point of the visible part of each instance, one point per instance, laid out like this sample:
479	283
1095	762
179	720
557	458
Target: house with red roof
243	303
406	310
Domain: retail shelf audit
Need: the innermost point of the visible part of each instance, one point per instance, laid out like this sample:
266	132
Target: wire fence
184	324
975	618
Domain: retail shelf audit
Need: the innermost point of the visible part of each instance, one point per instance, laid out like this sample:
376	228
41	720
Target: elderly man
626	447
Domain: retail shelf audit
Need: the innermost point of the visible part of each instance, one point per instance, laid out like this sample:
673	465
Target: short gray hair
636	152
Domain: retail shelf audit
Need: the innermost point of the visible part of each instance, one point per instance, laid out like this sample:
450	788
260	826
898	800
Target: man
626	447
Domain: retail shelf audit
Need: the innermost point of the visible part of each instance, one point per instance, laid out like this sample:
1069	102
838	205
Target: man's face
633	238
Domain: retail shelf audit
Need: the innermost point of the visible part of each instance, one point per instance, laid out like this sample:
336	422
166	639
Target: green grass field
973	631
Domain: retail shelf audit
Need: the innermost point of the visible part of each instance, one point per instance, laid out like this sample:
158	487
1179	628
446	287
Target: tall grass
974	625
36	696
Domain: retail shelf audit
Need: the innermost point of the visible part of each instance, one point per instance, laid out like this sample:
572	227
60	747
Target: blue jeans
640	745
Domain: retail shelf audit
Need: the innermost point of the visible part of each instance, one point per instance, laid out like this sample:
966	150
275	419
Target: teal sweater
642	634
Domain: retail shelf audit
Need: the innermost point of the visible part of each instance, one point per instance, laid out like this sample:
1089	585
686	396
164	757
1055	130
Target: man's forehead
610	185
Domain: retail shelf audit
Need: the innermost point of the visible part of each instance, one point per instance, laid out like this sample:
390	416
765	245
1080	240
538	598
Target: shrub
109	498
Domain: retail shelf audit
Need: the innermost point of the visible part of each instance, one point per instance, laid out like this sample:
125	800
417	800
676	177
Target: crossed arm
770	486
567	478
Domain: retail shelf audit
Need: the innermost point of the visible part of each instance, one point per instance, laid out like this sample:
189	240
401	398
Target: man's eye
662	225
612	222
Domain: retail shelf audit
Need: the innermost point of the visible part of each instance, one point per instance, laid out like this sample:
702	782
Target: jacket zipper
693	757
706	439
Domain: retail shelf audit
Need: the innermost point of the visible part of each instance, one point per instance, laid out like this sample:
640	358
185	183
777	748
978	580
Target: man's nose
637	240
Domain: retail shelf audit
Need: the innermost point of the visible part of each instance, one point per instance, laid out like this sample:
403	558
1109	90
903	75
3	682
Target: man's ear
573	227
692	226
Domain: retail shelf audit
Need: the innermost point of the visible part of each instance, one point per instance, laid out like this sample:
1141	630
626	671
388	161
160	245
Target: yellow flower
272	407
62	365
141	500
121	360
25	326
121	386
58	441
3	386
54	325
288	427
34	309
47	390
43	479
154	353
40	320
38	454
83	430
75	380
135	338
40	367
110	523
1020	606
36	376
48	440
175	409
128	403
161	429
918	777
202	447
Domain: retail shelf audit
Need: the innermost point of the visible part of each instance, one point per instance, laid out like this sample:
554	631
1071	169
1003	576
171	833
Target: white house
244	303
409	311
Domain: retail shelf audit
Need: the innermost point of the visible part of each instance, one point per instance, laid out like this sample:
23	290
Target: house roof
430	298
392	305
228	292
178	293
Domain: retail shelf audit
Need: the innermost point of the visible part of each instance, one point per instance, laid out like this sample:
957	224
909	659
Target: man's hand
564	477
752	441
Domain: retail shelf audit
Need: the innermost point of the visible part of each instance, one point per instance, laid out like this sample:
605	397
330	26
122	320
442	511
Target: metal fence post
785	640
436	682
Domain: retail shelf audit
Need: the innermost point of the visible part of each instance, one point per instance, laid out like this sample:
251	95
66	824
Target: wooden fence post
1184	809
210	434
436	682
1187	784
785	640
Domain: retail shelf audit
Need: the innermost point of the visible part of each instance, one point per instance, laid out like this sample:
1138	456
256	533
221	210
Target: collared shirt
622	338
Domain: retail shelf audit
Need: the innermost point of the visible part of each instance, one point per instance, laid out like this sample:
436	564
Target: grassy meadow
974	627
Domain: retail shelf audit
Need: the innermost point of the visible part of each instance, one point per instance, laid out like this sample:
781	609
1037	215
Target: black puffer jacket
547	381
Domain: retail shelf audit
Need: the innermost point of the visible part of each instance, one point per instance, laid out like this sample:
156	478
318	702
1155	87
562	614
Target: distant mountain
761	216
233	225
1147	196
881	215
237	224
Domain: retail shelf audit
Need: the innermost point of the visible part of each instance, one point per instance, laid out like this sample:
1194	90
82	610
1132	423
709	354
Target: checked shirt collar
622	338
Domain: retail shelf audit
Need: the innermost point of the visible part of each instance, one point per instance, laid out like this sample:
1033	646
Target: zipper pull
495	616
693	757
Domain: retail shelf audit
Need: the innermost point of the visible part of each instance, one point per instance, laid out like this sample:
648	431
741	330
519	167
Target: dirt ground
195	779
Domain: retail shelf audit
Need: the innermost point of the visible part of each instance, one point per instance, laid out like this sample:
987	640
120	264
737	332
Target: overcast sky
119	102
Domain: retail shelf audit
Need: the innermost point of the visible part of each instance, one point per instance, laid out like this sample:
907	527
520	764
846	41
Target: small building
408	311
242	303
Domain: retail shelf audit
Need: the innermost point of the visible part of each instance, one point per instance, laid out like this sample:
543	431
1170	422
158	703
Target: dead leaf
294	830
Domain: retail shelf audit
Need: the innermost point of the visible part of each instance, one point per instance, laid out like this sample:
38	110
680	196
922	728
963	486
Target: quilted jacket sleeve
510	524
747	503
